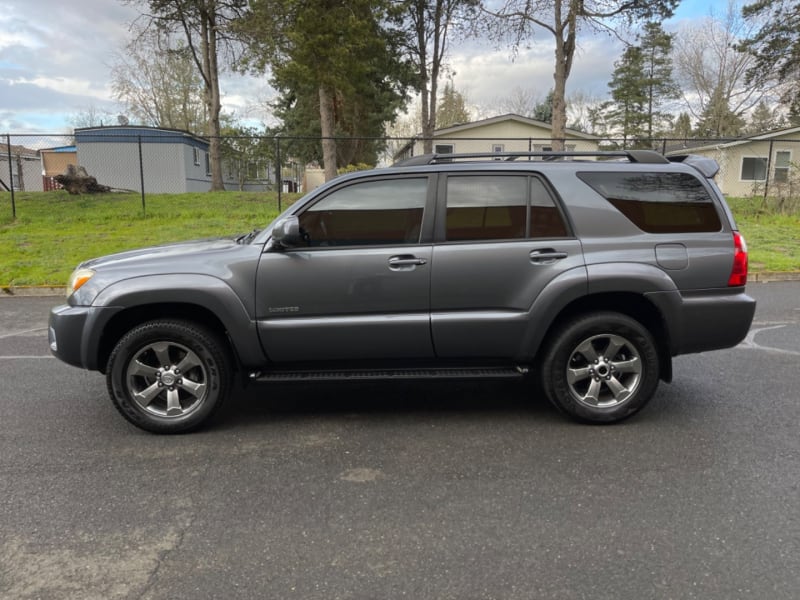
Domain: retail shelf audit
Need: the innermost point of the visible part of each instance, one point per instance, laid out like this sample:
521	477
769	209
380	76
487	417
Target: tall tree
775	46
682	128
563	19
763	119
452	108
626	112
205	25
712	72
157	80
430	25
332	54
657	81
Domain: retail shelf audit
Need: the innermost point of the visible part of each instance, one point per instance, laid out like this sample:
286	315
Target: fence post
141	176
278	170
11	178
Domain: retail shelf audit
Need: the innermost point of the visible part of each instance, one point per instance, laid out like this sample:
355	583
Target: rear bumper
707	319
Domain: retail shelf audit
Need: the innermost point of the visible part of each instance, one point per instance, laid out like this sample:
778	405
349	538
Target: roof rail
634	156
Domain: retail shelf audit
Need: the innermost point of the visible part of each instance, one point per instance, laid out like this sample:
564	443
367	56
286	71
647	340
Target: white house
504	133
748	165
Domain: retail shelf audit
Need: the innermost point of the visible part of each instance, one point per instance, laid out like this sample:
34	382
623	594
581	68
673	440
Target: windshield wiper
247	237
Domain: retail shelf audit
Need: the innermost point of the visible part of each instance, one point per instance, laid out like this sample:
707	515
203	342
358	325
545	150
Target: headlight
77	279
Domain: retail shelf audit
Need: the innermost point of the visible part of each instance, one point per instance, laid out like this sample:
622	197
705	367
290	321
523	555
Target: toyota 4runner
587	271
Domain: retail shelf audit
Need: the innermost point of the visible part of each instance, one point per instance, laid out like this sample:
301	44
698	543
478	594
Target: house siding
514	133
730	157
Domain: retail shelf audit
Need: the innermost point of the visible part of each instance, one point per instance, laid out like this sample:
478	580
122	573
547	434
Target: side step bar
391	374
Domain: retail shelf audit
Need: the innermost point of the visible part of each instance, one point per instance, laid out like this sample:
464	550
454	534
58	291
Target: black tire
168	376
600	367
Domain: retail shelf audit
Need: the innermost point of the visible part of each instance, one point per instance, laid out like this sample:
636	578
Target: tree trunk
559	124
211	68
326	119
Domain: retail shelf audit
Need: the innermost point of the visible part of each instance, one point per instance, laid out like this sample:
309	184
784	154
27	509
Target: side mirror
286	232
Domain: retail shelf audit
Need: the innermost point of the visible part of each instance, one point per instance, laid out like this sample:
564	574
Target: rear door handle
546	256
406	260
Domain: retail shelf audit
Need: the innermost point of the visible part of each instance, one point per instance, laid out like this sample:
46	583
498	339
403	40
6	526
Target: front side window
368	213
500	207
754	168
658	202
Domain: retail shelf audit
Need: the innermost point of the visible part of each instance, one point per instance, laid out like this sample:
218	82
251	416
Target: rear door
501	238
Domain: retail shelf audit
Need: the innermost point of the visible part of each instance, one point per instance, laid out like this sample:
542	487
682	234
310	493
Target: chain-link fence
159	161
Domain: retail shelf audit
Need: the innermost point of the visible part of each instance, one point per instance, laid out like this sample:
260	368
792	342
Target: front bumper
69	332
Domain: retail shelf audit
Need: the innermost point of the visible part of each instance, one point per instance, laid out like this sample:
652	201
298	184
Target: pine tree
626	112
659	85
452	109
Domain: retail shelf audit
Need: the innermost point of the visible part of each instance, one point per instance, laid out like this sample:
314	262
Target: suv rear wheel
600	367
168	376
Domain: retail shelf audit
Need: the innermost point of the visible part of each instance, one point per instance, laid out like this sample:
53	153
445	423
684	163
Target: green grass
773	240
54	231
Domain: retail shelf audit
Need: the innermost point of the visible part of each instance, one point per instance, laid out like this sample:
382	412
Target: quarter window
492	207
387	212
658	202
754	168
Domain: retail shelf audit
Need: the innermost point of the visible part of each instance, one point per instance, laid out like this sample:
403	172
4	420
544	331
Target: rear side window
658	202
500	207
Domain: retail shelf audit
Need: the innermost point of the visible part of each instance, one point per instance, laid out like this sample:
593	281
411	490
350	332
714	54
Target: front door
359	287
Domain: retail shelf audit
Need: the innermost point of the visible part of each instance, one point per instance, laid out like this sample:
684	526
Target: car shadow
287	402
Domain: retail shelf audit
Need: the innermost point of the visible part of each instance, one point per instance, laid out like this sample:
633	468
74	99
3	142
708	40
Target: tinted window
367	213
658	202
500	207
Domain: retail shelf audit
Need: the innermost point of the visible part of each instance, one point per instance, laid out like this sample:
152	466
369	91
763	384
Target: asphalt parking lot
462	491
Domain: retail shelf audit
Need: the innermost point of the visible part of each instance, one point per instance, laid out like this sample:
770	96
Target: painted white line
24	357
16	333
750	341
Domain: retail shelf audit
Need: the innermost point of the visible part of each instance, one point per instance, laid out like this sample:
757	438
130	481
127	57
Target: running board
392	374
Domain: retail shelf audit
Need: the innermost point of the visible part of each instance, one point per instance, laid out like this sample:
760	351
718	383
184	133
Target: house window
754	168
783	159
443	149
208	164
196	156
498	148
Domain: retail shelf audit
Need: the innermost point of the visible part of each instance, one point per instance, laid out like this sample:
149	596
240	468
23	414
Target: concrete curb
26	291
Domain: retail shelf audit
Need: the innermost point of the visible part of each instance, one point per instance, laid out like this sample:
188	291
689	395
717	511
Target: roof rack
634	156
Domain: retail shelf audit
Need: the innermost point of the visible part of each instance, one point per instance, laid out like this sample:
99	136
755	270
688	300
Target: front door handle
546	256
406	261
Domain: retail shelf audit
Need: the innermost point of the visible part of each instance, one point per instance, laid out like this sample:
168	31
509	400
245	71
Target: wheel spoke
140	369
147	395
190	361
194	388
173	403
634	365
161	350
587	350
593	393
576	375
619	391
614	345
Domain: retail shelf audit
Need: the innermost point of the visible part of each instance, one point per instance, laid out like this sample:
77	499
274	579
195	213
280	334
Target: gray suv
585	272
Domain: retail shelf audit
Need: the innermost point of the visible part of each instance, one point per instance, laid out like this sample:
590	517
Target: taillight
739	271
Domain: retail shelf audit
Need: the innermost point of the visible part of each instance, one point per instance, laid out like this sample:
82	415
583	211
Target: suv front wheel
168	376
600	367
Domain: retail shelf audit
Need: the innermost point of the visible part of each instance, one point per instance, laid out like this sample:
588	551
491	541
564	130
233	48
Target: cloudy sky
56	57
